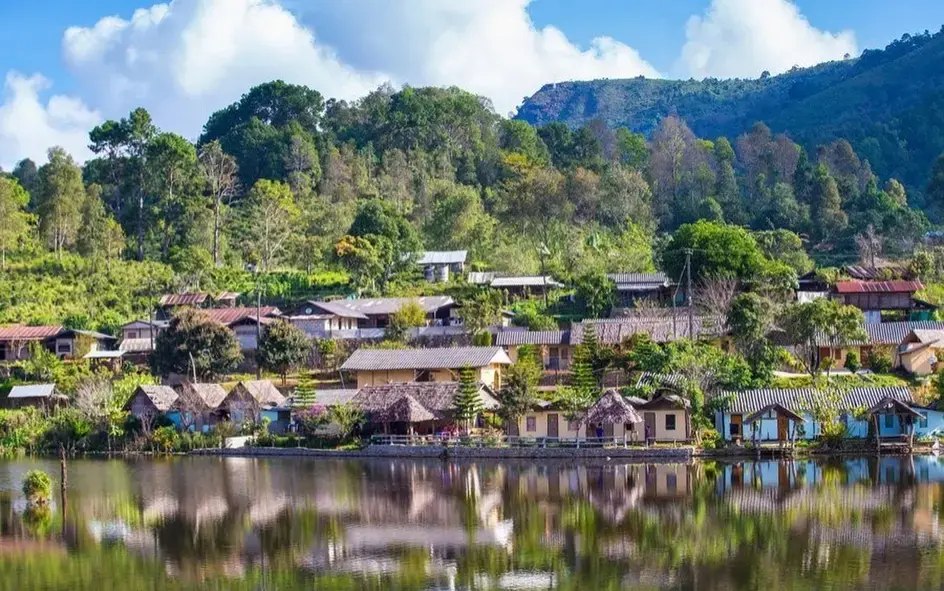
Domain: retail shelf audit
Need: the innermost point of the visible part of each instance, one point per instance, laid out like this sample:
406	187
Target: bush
709	438
165	438
37	487
853	363
880	361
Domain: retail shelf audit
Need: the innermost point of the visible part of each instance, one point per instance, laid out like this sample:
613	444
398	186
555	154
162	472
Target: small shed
149	402
34	395
613	416
787	422
907	417
249	398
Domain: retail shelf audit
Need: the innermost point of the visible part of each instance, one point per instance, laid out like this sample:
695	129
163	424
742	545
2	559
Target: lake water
286	524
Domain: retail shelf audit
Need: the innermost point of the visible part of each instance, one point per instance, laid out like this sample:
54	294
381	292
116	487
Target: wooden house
887	337
383	366
416	407
150	402
38	395
15	340
366	313
768	422
197	407
878	299
249	398
633	288
920	351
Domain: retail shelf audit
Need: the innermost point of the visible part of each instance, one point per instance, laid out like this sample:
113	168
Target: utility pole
544	251
688	293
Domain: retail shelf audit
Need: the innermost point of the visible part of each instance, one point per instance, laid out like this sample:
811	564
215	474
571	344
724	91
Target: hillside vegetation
888	103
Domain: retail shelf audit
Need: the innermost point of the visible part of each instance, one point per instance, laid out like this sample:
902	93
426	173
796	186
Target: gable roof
639	281
892	286
442	257
73	332
227	316
162	397
211	395
262	391
435	398
526	281
19	332
183	299
887	333
443	357
776	407
801	399
362	308
507	338
32	391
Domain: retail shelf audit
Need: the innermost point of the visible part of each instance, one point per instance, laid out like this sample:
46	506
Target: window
132	334
531	424
424	376
889	421
64	347
924	421
671	481
670	422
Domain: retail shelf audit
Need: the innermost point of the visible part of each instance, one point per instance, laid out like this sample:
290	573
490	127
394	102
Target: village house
138	336
169	302
886	337
197	407
634	288
553	346
438	266
920	351
15	341
383	366
415	407
37	395
783	415
666	417
150	401
660	325
250	400
881	300
364	313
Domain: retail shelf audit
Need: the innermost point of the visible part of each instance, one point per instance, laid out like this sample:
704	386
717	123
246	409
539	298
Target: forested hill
888	103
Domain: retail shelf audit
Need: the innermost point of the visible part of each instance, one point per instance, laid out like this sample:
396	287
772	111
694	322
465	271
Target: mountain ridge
889	103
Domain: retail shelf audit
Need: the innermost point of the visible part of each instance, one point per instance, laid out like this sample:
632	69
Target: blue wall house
772	426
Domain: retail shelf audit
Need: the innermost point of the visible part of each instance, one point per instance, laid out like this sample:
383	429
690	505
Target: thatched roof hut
611	409
405	409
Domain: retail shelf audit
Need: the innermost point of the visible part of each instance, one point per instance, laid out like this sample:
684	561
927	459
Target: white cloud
186	59
491	47
742	38
28	126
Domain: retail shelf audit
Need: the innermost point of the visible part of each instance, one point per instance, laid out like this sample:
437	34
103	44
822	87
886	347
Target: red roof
183	299
18	332
894	286
228	316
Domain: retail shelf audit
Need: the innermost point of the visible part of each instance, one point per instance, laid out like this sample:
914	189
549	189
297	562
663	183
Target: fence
505	441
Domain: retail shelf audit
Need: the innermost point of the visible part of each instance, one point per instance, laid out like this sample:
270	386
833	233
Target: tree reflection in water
208	523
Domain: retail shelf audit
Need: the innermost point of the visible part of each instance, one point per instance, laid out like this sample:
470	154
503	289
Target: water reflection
292	524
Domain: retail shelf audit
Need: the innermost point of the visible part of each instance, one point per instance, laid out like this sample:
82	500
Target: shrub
853	363
709	438
880	361
165	438
37	487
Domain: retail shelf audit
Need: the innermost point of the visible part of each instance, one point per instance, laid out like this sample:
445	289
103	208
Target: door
552	427
650	420
735	428
783	430
609	429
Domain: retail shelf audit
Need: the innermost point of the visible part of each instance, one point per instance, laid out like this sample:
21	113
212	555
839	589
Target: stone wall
675	454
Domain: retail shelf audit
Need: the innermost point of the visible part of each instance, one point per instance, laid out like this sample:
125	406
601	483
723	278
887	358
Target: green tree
717	250
396	240
750	320
59	202
282	348
595	293
520	385
363	261
269	219
220	175
101	236
467	403
194	344
632	149
823	322
410	315
581	370
348	419
481	310
16	221
826	206
459	221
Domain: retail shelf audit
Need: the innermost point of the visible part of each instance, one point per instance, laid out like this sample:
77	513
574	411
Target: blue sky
185	60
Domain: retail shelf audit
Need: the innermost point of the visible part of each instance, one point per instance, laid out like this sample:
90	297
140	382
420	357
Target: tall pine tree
468	403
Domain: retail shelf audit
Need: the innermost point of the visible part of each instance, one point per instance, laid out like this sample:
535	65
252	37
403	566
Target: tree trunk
216	233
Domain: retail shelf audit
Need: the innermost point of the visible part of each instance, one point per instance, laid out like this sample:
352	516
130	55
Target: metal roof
526	281
103	354
364	307
893	286
507	338
135	345
436	358
32	391
183	299
657	278
227	316
481	277
442	257
801	399
18	332
886	333
334	397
